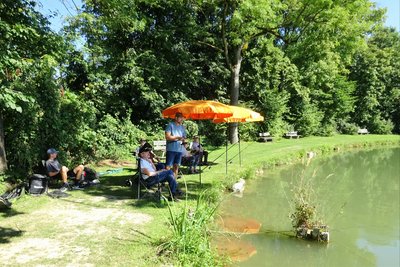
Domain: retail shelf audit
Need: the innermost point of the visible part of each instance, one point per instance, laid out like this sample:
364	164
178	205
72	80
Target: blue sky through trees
65	8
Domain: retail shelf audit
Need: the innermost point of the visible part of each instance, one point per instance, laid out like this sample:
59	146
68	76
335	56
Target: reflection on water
358	197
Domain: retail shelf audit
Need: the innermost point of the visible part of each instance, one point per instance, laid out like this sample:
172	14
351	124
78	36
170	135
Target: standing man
175	135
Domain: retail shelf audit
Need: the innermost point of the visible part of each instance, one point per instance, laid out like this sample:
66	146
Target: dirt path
66	230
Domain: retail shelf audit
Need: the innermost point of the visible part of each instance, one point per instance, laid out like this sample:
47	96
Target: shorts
173	158
70	174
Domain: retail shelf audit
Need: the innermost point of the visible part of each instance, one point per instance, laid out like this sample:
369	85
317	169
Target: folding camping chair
154	190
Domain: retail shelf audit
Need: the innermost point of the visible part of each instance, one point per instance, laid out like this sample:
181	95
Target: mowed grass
108	226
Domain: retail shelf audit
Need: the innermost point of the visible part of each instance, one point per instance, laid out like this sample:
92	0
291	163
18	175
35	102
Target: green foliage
380	126
347	128
309	67
192	128
248	131
309	120
190	241
116	138
213	134
327	129
304	203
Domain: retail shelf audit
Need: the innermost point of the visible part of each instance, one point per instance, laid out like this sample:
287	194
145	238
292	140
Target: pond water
356	195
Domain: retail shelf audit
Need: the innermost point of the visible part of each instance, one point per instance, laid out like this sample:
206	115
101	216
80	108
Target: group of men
152	170
176	151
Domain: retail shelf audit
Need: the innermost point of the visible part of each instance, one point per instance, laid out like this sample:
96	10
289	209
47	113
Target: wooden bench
160	148
292	135
265	137
362	131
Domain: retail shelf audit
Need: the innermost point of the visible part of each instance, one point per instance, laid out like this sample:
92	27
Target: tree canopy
319	67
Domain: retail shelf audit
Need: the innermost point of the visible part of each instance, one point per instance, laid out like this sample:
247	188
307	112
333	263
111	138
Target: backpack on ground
37	184
89	174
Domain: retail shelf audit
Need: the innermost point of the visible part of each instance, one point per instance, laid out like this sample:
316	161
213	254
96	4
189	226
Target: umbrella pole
199	164
240	154
226	151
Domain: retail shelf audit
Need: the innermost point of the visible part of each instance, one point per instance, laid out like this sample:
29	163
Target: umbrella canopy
199	110
241	115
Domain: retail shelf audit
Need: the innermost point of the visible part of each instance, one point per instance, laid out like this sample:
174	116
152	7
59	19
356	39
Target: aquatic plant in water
305	220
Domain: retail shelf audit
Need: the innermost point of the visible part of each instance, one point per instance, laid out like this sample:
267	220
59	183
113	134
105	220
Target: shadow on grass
7	233
113	188
6	213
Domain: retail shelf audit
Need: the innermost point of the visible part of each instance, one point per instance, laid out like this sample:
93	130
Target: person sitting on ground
192	160
56	170
197	148
151	176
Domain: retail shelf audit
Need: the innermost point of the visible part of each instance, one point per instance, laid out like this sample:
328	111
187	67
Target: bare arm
170	137
149	173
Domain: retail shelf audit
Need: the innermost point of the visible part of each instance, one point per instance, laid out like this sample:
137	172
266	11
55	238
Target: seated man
189	159
141	143
56	170
154	158
151	176
197	148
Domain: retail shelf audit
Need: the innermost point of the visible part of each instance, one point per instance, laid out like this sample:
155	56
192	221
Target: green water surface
357	196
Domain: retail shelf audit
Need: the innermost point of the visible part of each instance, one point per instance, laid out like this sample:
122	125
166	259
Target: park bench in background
292	135
159	148
265	137
362	131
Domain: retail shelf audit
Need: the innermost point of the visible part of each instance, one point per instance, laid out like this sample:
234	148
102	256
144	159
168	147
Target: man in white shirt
151	176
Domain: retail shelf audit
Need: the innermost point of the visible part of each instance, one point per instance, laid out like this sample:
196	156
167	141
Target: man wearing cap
175	134
56	170
156	160
151	176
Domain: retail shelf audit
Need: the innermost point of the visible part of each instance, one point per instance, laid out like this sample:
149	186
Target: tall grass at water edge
190	242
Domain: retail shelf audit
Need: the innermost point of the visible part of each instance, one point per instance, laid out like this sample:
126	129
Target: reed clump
306	220
190	241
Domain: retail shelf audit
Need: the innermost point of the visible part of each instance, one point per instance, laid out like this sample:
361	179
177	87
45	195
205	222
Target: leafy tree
376	73
26	38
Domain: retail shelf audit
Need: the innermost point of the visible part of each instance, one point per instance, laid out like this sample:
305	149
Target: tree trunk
3	160
234	90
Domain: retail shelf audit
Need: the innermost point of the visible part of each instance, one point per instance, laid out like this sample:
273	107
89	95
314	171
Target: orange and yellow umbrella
199	110
241	115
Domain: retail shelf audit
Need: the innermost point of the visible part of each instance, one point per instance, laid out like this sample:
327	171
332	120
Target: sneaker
64	187
179	193
77	187
95	181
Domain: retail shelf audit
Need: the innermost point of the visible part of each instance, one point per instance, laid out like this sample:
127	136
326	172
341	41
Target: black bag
37	184
90	174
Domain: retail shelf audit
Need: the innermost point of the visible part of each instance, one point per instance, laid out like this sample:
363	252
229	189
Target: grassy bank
107	225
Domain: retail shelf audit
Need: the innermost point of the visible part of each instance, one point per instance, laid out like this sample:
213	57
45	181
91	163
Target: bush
215	133
327	129
192	128
116	138
381	126
346	127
